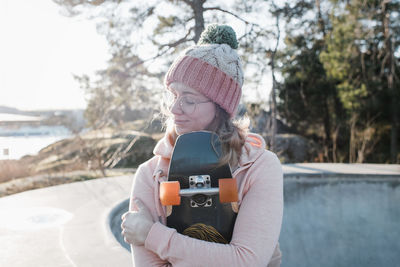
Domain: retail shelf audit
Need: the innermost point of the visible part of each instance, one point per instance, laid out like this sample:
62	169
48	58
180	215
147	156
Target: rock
108	147
261	120
292	148
261	123
141	151
147	126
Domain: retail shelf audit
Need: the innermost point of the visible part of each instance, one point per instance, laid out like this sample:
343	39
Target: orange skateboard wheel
169	193
228	190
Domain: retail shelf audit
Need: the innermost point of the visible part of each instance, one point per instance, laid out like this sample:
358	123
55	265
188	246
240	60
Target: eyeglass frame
180	99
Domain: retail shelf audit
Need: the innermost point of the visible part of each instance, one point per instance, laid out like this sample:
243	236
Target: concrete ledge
341	169
69	225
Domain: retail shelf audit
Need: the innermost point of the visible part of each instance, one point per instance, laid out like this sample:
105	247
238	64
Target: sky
40	50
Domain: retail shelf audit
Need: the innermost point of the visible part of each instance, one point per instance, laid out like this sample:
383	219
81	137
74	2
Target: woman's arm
256	231
144	257
142	189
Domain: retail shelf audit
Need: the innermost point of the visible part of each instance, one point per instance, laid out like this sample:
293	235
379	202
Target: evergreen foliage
339	65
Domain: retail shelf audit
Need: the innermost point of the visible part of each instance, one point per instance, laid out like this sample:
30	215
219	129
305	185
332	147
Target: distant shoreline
16	147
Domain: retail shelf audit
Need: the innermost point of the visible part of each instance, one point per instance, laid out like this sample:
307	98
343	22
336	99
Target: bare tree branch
230	13
120	153
180	41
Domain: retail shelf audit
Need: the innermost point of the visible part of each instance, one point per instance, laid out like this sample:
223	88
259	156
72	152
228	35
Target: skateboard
199	189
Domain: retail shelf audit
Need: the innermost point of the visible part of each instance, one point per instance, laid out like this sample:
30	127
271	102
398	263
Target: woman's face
191	110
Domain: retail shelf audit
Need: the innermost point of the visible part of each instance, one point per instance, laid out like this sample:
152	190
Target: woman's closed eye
188	100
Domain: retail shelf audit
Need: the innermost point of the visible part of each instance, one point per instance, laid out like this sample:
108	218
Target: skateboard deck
195	166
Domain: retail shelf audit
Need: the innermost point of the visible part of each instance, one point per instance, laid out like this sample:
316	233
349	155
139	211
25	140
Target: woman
205	82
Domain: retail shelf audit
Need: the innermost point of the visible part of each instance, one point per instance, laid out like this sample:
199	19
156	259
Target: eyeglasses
187	104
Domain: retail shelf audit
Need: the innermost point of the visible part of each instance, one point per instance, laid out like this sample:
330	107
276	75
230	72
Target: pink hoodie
258	224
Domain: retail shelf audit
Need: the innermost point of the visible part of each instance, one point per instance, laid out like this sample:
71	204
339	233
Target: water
334	222
16	143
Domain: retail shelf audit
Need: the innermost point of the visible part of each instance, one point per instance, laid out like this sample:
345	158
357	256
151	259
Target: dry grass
12	169
45	180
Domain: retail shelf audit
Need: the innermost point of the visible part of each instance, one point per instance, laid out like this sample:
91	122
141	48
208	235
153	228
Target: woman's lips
180	122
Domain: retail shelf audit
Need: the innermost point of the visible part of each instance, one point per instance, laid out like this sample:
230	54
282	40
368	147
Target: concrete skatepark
78	224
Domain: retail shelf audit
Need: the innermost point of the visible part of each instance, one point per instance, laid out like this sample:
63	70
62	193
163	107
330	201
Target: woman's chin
182	130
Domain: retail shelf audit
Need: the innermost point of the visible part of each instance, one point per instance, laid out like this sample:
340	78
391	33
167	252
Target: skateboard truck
198	183
199	190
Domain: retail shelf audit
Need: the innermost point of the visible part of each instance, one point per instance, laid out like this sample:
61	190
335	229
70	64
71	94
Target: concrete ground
65	225
69	225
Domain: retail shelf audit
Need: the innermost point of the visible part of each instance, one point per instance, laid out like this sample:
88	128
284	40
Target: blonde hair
232	134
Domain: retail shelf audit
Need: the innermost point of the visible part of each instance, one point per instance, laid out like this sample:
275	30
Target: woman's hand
136	224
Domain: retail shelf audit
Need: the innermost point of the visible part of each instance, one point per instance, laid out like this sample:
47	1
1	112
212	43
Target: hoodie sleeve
256	231
142	189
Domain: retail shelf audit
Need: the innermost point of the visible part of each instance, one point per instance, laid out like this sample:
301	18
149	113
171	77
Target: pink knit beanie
212	67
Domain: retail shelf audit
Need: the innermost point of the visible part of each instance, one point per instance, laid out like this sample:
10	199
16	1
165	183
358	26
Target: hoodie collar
253	147
163	148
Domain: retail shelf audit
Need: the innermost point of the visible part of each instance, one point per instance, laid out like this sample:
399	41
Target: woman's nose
176	107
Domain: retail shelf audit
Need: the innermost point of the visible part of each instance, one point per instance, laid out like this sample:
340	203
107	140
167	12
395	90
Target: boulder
293	148
109	147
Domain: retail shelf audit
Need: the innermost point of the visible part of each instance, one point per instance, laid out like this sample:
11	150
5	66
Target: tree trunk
274	83
334	144
198	10
390	76
327	121
327	129
353	141
394	133
321	22
273	113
